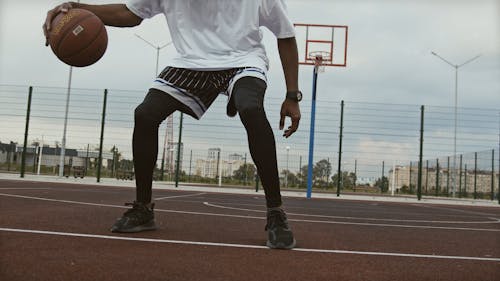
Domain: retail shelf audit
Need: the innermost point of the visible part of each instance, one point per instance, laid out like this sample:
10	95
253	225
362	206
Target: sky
389	58
389	53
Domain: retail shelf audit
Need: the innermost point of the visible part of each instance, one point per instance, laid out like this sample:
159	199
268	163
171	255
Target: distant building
213	165
50	156
171	156
432	177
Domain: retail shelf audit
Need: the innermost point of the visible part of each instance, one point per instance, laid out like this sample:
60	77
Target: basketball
78	37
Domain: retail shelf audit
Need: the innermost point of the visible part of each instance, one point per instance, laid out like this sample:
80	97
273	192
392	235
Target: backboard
329	42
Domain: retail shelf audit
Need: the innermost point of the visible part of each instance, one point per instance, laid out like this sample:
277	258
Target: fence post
460	178
419	184
437	177
179	143
26	129
448	178
355	173
465	179
99	165
475	175
409	179
492	174
190	163
339	171
426	176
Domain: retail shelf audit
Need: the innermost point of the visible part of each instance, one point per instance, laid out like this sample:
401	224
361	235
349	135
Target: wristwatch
294	95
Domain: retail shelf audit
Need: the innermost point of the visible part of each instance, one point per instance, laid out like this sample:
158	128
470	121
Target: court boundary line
493	220
253	217
179	196
229	245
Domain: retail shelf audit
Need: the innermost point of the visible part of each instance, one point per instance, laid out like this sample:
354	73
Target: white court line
252	217
179	196
22	188
110	237
493	220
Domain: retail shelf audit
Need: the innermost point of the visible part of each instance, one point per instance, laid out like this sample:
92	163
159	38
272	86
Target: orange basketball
78	37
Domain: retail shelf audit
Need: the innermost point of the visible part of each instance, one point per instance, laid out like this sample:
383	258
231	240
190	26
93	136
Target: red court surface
56	231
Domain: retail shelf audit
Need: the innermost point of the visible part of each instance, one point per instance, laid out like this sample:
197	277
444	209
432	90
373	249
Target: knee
141	115
250	110
249	97
145	114
154	109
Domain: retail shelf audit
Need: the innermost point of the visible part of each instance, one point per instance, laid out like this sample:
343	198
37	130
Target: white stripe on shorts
181	95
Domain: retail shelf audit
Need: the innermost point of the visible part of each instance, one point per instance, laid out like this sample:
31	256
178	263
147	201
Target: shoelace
276	218
137	209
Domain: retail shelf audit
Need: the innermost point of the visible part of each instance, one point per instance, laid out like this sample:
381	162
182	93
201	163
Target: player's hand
291	109
63	8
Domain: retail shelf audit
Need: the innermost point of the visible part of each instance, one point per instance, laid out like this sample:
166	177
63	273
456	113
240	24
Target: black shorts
198	89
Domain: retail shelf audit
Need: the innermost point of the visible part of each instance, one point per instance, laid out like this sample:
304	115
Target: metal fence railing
382	144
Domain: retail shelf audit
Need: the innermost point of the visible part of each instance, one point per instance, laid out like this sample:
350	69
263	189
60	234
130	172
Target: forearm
290	61
111	14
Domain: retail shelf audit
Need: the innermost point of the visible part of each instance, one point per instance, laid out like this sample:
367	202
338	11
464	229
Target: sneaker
139	218
279	235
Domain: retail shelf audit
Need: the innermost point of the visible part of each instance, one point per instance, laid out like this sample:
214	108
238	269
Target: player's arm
290	61
111	14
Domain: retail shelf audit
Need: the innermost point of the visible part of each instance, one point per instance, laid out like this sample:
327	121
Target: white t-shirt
218	34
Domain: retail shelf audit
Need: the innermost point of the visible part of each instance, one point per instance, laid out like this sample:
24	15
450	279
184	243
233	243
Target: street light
65	127
456	66
157	47
169	118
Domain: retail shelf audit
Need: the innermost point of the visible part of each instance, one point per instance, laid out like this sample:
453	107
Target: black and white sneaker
279	234
139	218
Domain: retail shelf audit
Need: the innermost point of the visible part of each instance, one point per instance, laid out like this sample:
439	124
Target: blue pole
311	134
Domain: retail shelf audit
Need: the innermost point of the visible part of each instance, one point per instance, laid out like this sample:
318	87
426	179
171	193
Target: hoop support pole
311	133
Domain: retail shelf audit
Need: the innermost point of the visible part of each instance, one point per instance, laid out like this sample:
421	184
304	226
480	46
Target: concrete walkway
193	187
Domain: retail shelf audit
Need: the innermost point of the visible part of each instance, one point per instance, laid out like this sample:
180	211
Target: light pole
286	173
63	141
158	48
456	66
169	118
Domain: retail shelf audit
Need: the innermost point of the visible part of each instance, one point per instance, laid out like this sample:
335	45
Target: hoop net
320	59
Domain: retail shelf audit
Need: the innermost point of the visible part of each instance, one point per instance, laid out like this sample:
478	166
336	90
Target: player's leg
155	108
248	98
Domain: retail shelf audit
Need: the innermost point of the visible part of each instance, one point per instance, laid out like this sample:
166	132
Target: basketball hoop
320	59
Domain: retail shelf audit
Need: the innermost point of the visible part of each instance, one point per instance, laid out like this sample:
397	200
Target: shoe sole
145	227
281	245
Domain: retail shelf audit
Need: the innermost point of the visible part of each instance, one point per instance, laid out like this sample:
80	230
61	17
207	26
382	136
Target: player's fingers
295	122
294	127
63	8
282	121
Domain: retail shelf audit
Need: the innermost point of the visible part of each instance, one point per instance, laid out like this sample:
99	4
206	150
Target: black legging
248	97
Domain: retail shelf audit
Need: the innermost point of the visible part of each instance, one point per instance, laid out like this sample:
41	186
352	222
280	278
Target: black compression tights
248	96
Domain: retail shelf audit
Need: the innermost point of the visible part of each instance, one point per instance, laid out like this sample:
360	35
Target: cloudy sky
389	54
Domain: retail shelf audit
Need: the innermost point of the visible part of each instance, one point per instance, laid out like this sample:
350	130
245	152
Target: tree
291	178
302	176
245	172
321	172
347	180
382	183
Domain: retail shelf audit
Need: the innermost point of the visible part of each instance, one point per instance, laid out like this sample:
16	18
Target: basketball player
220	50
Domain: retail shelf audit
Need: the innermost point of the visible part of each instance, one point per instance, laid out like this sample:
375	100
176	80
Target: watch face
299	95
294	95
